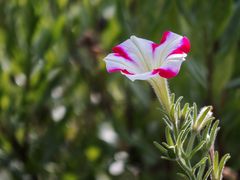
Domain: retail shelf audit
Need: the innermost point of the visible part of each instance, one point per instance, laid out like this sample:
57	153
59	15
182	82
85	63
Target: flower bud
203	118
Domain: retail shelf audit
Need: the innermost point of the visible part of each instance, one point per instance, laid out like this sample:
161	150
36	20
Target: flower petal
142	76
171	43
171	66
141	59
145	51
116	63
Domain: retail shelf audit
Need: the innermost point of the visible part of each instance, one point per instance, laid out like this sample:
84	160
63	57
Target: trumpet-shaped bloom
141	59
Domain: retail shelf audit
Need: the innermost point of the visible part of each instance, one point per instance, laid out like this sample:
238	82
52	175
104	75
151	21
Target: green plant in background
190	136
62	116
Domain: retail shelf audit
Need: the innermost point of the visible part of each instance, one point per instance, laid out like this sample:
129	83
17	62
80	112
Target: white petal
172	42
143	76
145	51
172	66
117	62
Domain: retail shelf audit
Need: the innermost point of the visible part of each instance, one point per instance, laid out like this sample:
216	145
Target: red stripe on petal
119	69
176	51
166	73
114	70
164	37
154	46
183	48
155	71
126	72
119	51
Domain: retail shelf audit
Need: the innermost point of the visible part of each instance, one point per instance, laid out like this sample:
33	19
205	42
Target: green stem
186	169
160	87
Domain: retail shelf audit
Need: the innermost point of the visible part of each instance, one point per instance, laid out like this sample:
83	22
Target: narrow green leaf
178	109
185	110
196	149
172	112
167	158
201	162
189	113
213	133
161	148
167	146
167	122
207	174
187	124
203	115
185	135
169	136
201	171
205	134
222	163
215	164
179	139
207	121
194	112
171	150
172	98
183	176
178	102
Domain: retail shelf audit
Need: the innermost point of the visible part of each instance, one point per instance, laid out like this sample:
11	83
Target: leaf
172	98
178	102
205	132
203	115
172	112
207	121
185	135
171	150
183	176
185	110
169	136
179	138
213	133
222	163
167	122
196	149
215	165
167	158
200	163
187	124
207	174
201	171
161	148
194	112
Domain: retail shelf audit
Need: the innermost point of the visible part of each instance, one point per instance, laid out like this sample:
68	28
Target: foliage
190	138
63	117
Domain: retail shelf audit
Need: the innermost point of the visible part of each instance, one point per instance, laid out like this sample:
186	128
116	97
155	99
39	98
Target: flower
141	59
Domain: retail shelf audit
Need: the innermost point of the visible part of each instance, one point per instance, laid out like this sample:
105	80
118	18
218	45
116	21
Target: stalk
160	87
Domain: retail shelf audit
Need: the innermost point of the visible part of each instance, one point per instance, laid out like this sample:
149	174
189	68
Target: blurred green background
62	116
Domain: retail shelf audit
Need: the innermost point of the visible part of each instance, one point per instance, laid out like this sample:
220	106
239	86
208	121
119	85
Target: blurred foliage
63	117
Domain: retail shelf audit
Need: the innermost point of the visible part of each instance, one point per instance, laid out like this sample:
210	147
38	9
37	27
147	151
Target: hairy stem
160	87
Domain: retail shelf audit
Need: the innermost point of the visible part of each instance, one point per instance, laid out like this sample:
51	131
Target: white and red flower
141	59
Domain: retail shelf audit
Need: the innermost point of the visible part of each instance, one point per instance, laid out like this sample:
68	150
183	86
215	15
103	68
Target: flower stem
160	87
